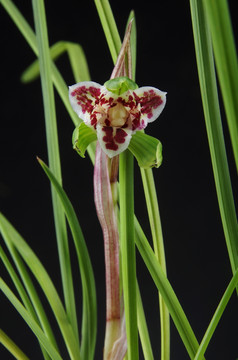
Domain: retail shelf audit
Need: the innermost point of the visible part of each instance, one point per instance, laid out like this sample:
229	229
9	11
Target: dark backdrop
197	260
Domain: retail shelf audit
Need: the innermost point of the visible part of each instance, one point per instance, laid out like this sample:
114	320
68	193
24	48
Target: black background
197	260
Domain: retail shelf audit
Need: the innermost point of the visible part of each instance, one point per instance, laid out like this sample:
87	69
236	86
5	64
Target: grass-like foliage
215	52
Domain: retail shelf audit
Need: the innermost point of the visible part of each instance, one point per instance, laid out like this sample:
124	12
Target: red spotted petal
151	102
113	140
83	97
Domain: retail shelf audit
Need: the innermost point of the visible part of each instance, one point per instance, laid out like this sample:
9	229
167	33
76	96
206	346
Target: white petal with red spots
113	140
83	97
152	102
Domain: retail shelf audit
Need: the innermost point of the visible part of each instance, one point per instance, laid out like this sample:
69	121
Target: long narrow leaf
109	27
12	347
10	235
155	223
209	94
32	303
18	285
76	57
30	321
78	64
158	244
216	317
30	37
143	330
89	323
166	291
219	21
54	159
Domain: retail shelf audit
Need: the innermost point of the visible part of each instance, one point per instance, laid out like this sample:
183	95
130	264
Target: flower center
117	115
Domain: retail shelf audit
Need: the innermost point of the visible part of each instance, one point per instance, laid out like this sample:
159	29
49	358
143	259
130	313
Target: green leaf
76	56
224	47
216	317
30	322
142	327
158	244
146	149
30	37
32	303
11	236
83	136
12	347
78	62
89	321
207	79
54	158
109	27
164	287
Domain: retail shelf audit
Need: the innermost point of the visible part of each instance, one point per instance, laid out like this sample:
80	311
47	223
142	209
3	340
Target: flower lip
117	115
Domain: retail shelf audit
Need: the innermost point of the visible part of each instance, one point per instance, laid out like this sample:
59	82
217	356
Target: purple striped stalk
115	338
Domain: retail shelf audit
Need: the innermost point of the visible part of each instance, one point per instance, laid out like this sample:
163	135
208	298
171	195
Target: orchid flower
112	113
116	110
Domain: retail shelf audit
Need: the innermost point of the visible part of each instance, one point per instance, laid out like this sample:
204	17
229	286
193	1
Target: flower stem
105	211
126	172
157	236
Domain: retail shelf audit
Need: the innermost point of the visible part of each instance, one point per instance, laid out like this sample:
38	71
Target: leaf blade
167	292
76	57
207	79
12	347
54	159
219	21
217	316
31	301
10	235
30	321
89	323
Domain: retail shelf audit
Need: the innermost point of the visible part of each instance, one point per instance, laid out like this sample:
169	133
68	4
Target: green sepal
146	149
83	136
120	85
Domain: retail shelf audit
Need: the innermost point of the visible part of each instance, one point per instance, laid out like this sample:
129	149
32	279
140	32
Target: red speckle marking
108	138
83	94
111	140
149	101
130	102
136	124
120	136
93	118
